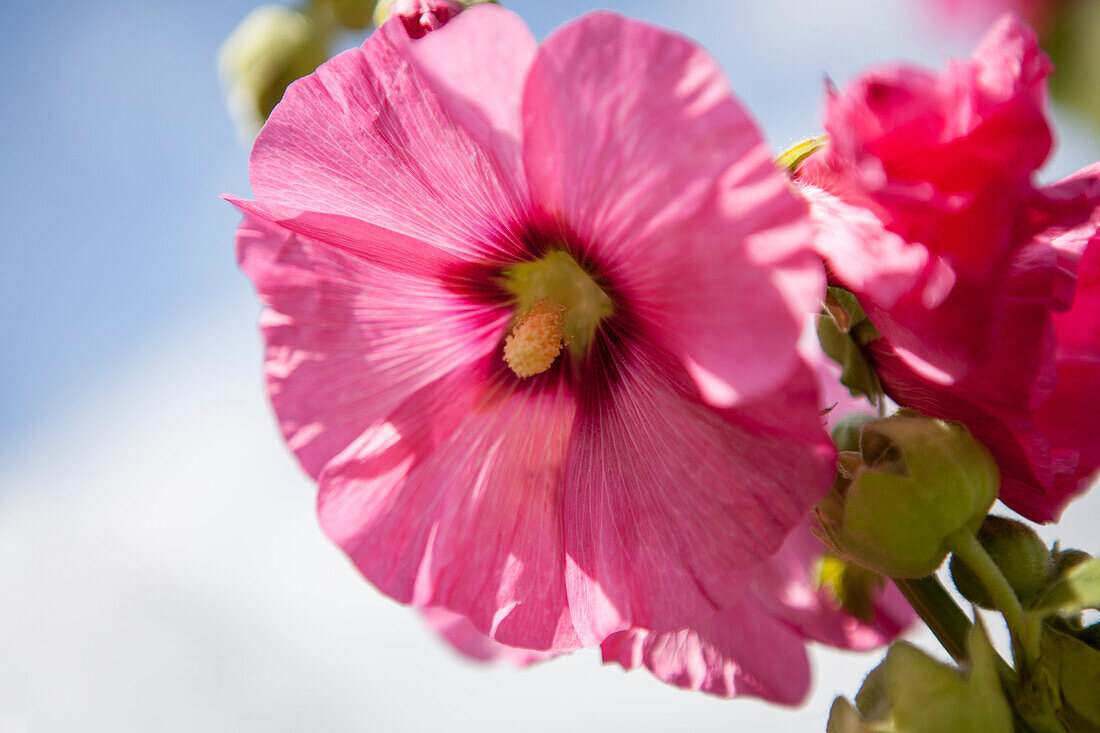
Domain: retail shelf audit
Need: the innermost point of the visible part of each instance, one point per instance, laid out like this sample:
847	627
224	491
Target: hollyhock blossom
926	209
435	217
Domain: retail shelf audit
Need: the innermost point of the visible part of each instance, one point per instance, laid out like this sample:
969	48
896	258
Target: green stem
966	546
939	612
947	621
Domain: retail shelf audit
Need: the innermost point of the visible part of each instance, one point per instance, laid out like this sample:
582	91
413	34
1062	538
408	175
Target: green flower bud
920	481
846	433
1020	554
271	47
1066	560
353	14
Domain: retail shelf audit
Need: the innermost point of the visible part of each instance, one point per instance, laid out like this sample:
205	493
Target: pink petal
861	252
478	66
348	341
945	162
742	651
455	502
786	587
634	140
667	501
464	638
368	136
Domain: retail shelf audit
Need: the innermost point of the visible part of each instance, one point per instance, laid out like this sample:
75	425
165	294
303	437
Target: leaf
913	693
1075	591
1074	670
932	698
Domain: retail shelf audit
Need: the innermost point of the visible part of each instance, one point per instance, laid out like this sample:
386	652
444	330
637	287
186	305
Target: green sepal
793	157
913	693
1076	590
1072	670
847	431
843	330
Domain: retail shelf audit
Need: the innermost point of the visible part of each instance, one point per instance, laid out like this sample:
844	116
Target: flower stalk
1024	631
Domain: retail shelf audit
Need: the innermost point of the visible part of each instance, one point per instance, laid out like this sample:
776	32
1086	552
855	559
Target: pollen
536	340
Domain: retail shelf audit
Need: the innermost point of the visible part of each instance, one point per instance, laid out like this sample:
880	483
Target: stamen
536	339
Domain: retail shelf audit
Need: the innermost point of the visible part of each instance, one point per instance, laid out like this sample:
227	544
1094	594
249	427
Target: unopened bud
917	482
418	16
1022	557
271	47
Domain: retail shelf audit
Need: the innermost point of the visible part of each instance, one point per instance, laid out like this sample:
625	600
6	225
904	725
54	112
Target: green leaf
1075	591
913	693
1073	668
930	697
843	330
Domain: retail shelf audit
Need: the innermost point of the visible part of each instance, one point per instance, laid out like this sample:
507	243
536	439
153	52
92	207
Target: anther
536	339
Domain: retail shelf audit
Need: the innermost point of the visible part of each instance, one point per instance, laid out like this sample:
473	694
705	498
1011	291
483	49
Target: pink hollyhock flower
927	211
436	217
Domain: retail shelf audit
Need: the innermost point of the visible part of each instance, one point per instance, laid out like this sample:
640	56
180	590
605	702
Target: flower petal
478	65
742	651
667	500
634	139
391	152
786	587
464	637
348	341
455	502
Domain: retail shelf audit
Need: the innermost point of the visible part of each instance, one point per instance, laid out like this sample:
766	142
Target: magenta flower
927	210
436	218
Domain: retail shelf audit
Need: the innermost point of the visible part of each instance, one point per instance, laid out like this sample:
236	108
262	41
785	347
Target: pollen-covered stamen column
558	304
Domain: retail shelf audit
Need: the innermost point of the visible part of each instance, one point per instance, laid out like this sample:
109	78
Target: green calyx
913	484
558	279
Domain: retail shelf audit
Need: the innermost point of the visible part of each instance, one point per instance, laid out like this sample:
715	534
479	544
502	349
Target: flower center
557	303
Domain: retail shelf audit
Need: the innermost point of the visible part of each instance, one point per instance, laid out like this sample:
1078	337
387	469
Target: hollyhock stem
966	546
939	612
946	620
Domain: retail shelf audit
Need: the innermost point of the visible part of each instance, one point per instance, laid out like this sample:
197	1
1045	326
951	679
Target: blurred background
160	564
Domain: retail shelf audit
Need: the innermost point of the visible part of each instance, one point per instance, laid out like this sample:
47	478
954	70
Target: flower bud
353	14
1066	560
270	48
846	432
418	16
918	481
1022	557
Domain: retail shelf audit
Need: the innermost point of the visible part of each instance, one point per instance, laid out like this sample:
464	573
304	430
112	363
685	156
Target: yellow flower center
557	303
